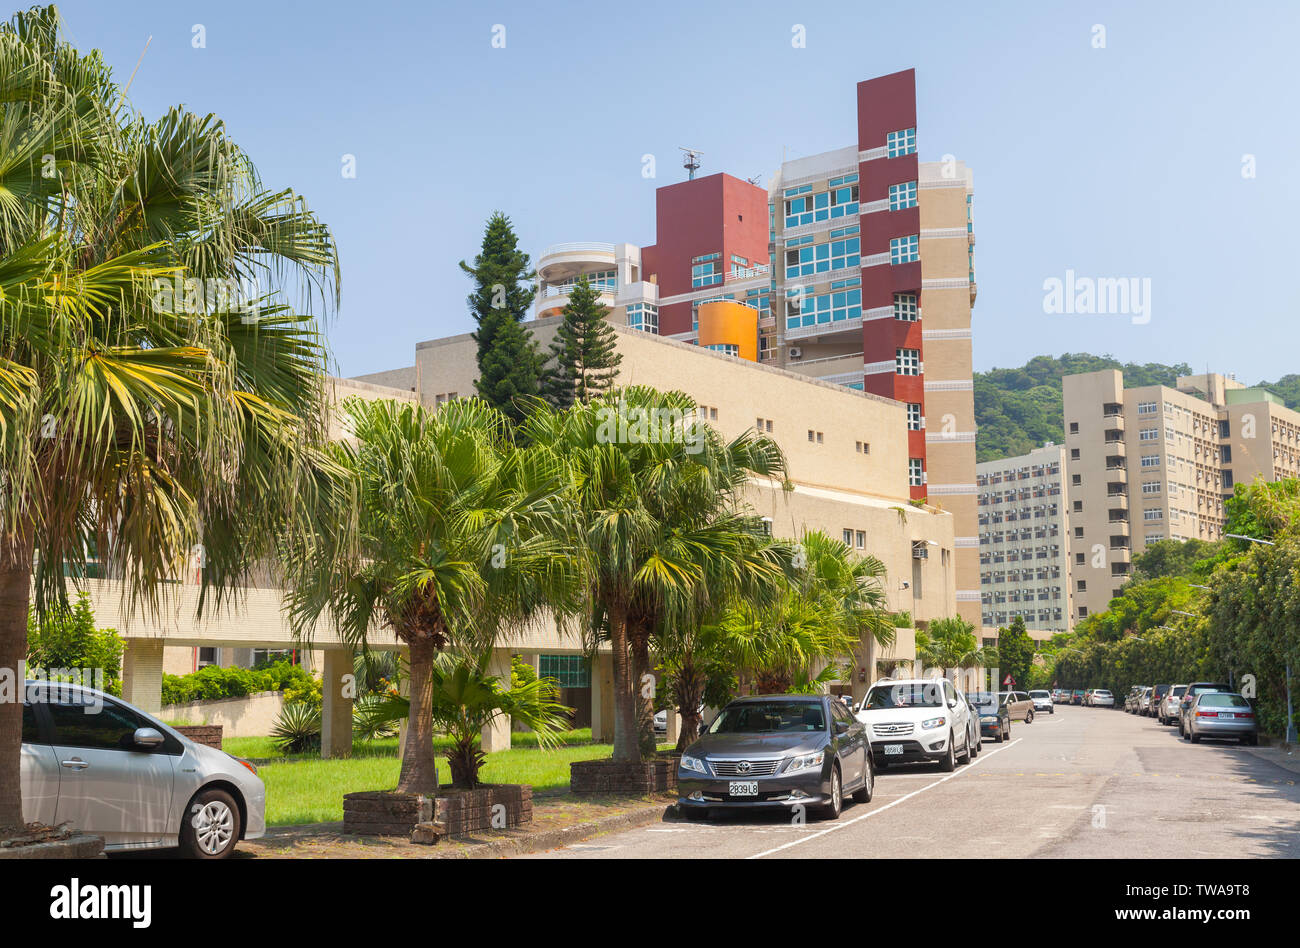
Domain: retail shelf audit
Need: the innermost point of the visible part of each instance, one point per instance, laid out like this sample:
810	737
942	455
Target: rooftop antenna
755	180
690	161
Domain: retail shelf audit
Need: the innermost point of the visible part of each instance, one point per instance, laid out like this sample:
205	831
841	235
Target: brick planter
454	812
80	846
657	775
384	813
206	734
467	811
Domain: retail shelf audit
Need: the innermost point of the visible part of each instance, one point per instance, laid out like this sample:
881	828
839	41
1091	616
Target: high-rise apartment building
855	267
1024	540
1156	463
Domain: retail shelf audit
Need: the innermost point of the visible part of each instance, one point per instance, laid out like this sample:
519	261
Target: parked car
1144	701
1158	693
1019	705
973	722
1076	696
1218	714
1168	711
1194	689
1043	701
994	718
1101	698
916	719
1131	699
110	769
775	751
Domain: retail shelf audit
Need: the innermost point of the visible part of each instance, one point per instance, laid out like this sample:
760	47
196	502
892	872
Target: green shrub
212	682
297	729
68	639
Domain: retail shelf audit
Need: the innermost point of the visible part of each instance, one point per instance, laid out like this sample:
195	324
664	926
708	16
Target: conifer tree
584	353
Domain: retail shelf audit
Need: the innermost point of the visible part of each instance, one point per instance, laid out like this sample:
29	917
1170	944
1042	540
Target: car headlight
989	718
933	723
693	763
805	762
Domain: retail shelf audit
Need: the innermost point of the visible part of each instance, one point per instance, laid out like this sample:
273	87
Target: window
726	348
861	537
1155	514
905	307
915	472
1146	408
914	419
1076	479
840	253
77	724
901	143
905	249
1150	460
569	671
704	271
1149	434
902	196
1078	506
643	316
847	536
1151	487
907	361
1074	454
1074	427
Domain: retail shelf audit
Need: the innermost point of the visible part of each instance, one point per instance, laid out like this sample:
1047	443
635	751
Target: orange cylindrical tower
728	323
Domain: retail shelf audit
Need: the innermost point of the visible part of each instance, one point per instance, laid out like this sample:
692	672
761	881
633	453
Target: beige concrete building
1156	463
1024	540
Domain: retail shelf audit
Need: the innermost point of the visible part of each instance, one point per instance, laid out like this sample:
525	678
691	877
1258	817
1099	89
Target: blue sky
1124	161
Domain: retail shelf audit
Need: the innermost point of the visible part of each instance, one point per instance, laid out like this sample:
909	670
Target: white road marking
835	826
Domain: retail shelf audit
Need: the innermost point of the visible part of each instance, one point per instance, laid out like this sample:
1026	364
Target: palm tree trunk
15	599
690	692
643	697
626	747
419	762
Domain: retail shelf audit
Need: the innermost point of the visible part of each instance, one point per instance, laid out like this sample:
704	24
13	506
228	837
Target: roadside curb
1276	754
557	838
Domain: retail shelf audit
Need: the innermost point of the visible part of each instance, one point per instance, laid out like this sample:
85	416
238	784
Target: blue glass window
901	142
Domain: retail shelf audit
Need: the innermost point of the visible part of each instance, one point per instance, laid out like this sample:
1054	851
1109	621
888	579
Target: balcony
562	262
1117	477
552	298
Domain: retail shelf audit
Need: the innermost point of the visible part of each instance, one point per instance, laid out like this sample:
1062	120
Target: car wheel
211	826
831	811
949	762
1029	717
1194	737
863	793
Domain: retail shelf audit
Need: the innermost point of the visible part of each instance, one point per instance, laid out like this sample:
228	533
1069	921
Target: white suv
916	719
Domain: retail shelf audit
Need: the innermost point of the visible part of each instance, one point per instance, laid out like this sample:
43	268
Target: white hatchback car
917	719
110	769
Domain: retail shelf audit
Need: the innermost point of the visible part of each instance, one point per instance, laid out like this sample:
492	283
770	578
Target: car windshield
1202	689
769	717
984	700
1178	690
1222	701
1102	694
1039	694
905	695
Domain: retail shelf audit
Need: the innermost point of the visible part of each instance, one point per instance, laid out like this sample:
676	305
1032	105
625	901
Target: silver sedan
112	770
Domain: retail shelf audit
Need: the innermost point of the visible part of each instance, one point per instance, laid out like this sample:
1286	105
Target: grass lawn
261	748
307	789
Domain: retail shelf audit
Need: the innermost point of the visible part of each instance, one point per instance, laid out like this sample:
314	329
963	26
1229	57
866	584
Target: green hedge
213	682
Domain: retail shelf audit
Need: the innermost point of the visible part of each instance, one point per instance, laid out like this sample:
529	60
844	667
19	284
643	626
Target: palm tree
441	529
467	699
834	602
658	535
136	427
950	644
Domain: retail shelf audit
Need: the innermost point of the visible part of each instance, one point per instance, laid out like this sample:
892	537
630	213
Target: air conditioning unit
796	352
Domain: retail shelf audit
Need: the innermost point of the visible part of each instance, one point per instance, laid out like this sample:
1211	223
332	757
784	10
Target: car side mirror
952	703
147	738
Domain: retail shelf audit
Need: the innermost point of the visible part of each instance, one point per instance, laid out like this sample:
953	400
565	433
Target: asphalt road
1084	782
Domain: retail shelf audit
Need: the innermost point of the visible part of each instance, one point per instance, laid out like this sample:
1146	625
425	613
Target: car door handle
75	763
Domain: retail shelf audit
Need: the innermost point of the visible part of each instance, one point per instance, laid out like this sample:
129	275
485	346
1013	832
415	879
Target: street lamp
1290	708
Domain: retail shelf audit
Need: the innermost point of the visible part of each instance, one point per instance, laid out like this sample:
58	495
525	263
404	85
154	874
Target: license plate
893	749
1227	714
743	788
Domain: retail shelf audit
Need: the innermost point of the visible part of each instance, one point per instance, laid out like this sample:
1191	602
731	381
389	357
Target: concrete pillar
142	664
338	690
496	735
602	698
674	726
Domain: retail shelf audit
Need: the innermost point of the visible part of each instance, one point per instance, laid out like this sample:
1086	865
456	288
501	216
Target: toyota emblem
743	767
